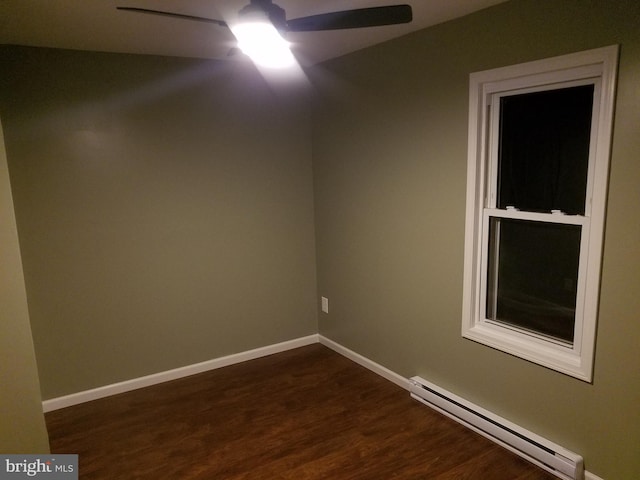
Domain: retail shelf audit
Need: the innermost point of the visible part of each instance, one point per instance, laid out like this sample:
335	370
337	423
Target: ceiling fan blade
358	18
174	15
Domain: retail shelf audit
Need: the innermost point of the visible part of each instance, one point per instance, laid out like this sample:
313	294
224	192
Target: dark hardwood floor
304	414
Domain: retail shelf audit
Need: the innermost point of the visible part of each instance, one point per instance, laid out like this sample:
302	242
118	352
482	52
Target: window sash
484	287
524	86
493	131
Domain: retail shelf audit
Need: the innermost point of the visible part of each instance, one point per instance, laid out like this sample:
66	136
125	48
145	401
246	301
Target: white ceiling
97	25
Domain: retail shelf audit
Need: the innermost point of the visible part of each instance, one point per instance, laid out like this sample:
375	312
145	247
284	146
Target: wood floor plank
304	414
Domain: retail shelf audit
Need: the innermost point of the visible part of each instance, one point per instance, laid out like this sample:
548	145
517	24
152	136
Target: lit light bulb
262	42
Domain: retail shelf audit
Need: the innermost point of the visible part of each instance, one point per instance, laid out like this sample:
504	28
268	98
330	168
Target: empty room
412	252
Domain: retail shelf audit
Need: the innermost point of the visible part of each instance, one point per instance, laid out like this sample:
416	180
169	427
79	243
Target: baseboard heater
540	451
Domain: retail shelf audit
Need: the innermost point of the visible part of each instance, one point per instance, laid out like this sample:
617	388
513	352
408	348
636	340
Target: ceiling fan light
262	42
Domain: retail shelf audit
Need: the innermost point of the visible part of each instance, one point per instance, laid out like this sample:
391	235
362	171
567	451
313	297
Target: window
539	141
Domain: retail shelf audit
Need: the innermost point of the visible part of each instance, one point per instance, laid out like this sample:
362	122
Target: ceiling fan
261	24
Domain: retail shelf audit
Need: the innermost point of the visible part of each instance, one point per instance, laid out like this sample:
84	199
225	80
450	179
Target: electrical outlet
325	304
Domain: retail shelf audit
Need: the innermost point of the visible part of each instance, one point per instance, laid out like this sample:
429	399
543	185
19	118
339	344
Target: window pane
532	276
544	150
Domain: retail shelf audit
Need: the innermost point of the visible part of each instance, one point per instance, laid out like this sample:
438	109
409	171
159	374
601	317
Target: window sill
555	355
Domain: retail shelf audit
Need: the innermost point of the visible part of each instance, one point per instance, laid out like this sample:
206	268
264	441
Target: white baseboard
591	476
154	379
365	362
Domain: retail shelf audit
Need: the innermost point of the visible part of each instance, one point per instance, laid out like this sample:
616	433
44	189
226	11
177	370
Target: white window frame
597	67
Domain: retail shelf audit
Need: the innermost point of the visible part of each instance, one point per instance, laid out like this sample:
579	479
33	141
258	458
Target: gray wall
390	153
164	210
22	427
